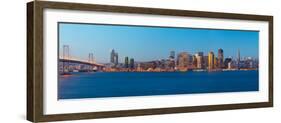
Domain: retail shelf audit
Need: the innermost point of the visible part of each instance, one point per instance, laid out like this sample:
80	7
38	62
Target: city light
182	62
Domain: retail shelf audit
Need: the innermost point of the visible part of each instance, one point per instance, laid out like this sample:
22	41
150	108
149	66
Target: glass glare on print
103	60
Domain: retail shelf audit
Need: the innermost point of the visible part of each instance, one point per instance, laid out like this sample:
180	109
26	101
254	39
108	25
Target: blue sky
151	43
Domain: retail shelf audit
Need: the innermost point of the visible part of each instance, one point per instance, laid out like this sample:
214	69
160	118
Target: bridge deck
80	62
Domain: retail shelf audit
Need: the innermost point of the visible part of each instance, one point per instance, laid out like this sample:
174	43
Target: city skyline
142	41
215	52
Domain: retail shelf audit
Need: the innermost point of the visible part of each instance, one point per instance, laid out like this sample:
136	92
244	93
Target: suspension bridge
69	64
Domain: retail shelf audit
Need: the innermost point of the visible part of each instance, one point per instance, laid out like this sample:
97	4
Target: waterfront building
194	61
199	58
172	55
247	63
149	65
215	62
162	63
200	54
126	62
199	62
190	59
250	62
205	62
220	58
171	64
139	67
114	57
132	63
238	59
211	60
227	61
183	61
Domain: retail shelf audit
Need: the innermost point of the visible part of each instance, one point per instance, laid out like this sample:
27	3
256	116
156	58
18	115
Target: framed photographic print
96	61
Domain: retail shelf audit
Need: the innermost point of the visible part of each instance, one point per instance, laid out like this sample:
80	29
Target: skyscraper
200	53
238	59
172	55
126	62
205	62
220	58
132	63
183	60
194	61
112	56
215	62
211	60
116	59
171	63
199	58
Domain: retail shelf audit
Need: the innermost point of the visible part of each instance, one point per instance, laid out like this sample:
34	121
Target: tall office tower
172	62
211	60
132	63
172	55
116	59
200	53
126	62
199	58
205	62
220	58
215	62
112	56
183	60
194	61
199	62
238	59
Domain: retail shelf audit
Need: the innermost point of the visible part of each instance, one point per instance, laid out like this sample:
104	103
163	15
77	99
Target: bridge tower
66	55
91	60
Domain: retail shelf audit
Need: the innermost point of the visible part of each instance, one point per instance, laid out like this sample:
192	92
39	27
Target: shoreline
222	70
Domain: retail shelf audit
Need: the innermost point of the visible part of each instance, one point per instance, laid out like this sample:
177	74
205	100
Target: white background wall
13	61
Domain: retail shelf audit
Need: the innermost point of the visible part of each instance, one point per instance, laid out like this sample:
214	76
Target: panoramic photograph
105	60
